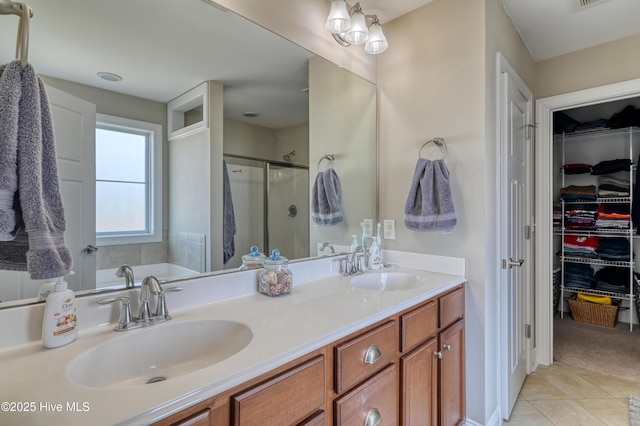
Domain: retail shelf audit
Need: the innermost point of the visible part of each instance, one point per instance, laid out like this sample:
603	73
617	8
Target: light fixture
109	76
349	26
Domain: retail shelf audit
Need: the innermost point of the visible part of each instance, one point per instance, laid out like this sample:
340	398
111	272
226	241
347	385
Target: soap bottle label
65	320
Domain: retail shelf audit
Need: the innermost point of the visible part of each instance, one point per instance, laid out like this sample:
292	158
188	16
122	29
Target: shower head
287	157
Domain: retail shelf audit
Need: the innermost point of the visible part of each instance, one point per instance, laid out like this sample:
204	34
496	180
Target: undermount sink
386	281
158	353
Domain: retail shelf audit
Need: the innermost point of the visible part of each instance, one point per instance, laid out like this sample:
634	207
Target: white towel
326	196
429	204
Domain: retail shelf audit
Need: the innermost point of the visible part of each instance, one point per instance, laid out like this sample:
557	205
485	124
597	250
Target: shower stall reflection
271	206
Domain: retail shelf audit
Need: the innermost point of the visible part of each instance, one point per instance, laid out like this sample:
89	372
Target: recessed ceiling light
250	114
109	76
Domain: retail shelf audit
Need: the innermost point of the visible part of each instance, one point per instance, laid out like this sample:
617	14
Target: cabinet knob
438	354
446	347
372	355
374	418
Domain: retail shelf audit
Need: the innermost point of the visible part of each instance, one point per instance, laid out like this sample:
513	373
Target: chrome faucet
150	287
126	272
352	264
325	245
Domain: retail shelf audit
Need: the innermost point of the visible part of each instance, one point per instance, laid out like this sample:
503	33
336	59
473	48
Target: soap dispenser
59	324
375	255
364	235
354	243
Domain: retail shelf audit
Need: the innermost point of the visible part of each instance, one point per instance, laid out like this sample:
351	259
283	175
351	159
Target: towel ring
326	157
439	142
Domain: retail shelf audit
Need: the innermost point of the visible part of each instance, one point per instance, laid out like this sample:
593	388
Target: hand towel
429	204
10	89
326	196
46	255
229	218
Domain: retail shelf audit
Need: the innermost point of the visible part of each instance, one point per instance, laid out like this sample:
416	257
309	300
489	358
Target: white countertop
284	328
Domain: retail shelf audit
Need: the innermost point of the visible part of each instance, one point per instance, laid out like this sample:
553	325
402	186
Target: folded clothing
579	240
614	279
576	168
611	166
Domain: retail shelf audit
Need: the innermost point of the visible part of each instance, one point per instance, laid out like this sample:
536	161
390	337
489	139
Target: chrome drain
156	379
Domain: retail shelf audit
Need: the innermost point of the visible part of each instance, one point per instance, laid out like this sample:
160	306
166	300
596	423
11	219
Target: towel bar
439	142
326	157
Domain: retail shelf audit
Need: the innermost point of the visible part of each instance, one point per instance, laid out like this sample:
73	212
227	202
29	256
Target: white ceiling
554	27
163	48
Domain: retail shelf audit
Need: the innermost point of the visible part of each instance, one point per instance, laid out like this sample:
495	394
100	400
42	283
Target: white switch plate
389	232
368	227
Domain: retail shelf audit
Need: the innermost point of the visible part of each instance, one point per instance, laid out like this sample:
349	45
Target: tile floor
565	396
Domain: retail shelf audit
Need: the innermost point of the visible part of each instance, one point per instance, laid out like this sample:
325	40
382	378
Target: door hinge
527	232
527	331
528	131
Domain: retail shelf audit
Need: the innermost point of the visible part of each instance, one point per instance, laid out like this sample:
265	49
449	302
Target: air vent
581	4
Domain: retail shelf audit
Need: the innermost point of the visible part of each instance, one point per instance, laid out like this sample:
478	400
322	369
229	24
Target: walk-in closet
596	213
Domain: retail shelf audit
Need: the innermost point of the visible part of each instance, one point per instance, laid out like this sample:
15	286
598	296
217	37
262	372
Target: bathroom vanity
338	350
407	369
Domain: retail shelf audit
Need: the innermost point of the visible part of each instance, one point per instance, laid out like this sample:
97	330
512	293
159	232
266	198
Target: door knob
510	263
90	249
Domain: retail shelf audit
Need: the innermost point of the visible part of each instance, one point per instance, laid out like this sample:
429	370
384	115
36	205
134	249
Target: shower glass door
288	210
273	194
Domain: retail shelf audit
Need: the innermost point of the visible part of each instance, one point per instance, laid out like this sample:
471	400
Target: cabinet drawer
418	325
318	419
351	364
375	397
451	307
285	399
201	418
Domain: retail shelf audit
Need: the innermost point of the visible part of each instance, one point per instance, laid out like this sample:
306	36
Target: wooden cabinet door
419	386
452	377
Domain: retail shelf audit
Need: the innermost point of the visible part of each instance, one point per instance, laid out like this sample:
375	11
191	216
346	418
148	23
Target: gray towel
44	254
229	218
326	196
429	204
10	89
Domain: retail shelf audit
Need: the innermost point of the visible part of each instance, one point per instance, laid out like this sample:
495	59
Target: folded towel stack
326	196
429	204
38	244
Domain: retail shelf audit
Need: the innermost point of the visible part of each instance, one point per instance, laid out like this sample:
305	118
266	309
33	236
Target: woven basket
594	313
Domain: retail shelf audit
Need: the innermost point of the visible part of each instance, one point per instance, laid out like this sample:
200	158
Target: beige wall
267	144
431	83
607	63
303	23
342	117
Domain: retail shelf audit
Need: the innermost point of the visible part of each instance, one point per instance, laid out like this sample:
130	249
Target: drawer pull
374	418
438	354
372	355
446	347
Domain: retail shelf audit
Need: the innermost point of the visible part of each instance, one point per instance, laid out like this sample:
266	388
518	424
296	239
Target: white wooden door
515	163
74	122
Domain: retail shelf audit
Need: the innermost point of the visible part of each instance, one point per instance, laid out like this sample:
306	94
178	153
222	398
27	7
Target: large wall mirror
283	109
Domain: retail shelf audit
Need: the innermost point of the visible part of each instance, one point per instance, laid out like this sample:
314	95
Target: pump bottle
59	324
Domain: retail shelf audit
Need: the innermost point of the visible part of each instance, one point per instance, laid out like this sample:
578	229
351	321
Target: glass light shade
338	20
358	33
377	42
